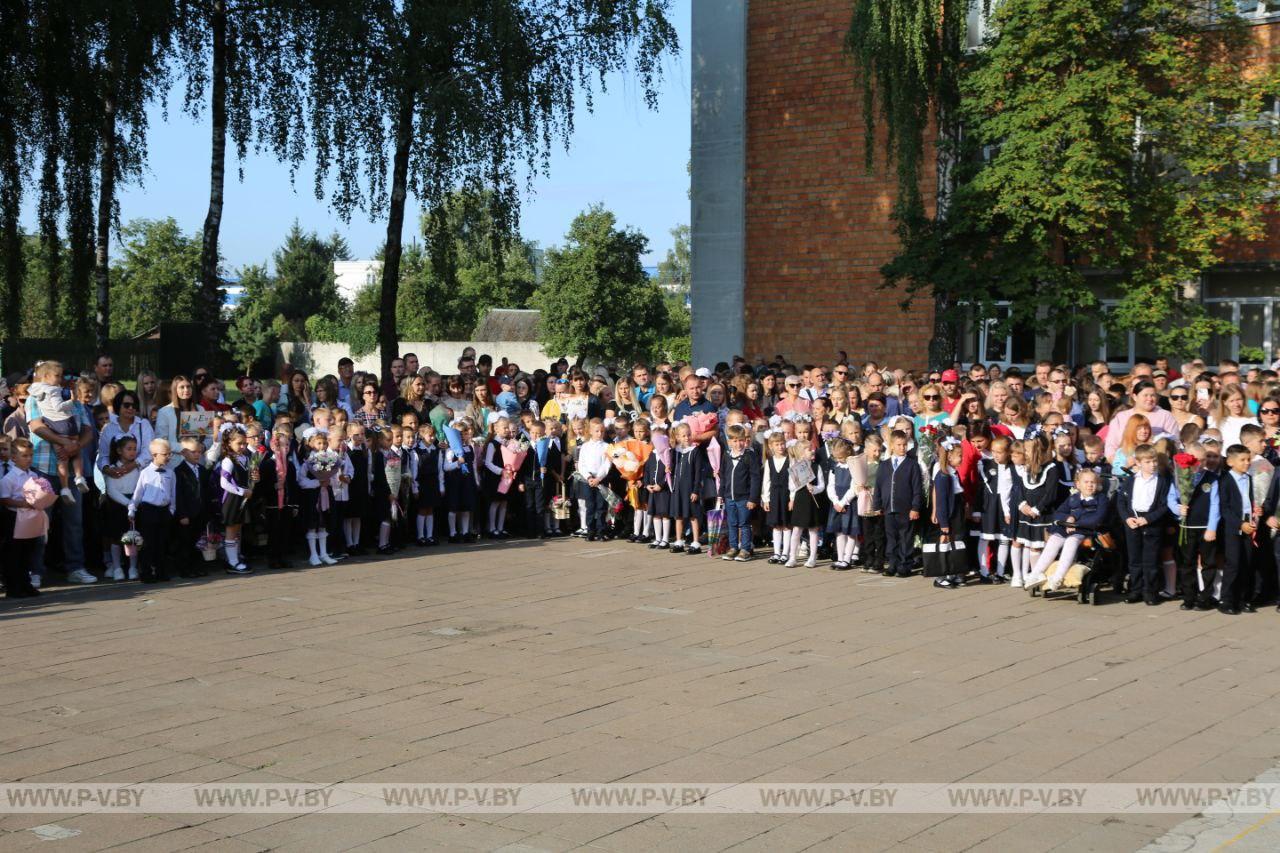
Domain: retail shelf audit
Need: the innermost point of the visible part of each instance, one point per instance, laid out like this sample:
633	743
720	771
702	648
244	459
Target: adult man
815	383
892	405
104	369
1017	386
467	363
346	372
694	404
49	447
950	381
642	388
1043	366
978	372
410	364
1058	389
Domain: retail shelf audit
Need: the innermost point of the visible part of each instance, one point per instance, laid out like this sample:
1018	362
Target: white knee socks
778	538
814	538
420	525
384	534
314	548
984	554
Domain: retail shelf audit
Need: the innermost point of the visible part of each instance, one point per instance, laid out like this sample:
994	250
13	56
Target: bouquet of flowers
454	438
323	463
513	456
927	443
1184	471
700	422
31	521
1262	474
208	545
395	474
132	541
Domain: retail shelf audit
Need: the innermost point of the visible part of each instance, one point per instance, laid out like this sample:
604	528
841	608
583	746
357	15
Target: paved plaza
603	662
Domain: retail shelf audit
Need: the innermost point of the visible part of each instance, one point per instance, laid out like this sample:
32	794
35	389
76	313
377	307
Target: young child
460	483
1034	496
341	485
236	483
1144	503
944	557
870	520
123	455
151	509
1235	502
805	481
1082	513
316	478
59	414
494	469
1199	517
428	482
656	482
899	495
686	500
739	491
533	481
842	491
594	466
278	487
24	561
1065	462
360	491
997	474
1095	460
640	446
775	492
191	507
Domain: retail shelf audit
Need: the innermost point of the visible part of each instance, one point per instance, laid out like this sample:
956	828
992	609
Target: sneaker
68	497
812	562
942	583
729	556
81	576
133	574
743	557
82	485
315	561
116	574
35	581
241	569
790	564
1016	583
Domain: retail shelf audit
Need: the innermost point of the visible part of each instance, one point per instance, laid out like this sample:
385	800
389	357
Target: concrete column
718	224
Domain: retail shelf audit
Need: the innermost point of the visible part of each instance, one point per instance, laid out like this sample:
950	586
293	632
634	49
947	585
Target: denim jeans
738	518
72	525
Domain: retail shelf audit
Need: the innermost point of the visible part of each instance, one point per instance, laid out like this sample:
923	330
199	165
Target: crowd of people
966	476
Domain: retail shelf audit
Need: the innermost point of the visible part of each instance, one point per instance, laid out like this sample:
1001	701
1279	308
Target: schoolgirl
316	476
1037	495
461	484
236	483
686	498
122	454
655	480
429	483
642	524
997	474
341	484
870	520
776	494
491	477
806	481
842	492
946	535
360	490
278	478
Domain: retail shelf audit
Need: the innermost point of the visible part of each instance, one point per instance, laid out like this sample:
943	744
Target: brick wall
817	222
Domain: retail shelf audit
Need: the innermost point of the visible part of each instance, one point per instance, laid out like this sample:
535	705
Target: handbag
560	509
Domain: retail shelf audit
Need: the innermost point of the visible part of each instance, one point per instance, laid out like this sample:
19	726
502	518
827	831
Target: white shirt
141	431
155	486
1144	492
11	484
593	461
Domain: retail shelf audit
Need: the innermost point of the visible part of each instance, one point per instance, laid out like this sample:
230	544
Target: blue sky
628	157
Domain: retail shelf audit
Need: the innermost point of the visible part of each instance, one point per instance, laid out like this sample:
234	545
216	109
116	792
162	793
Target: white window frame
982	329
1270	306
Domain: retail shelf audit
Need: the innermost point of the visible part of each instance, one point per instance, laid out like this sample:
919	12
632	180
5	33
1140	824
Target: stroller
1096	564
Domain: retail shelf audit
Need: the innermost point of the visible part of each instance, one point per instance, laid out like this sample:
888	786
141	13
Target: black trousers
20	557
1192	554
595	511
279	531
1143	547
153	522
1237	573
872	541
184	557
899	532
535	506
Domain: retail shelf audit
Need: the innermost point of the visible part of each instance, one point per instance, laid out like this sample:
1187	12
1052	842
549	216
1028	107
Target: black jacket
740	482
898	491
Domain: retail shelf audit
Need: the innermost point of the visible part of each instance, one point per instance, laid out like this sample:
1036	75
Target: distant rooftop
508	324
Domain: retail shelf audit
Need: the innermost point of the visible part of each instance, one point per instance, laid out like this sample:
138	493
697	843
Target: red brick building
790	229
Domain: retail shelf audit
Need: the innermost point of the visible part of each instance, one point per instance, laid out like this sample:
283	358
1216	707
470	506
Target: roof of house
508	324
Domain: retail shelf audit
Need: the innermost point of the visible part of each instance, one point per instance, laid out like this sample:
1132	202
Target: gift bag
717	533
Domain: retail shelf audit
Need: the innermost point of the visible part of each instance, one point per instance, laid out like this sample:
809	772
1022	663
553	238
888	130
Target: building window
982	340
1251	303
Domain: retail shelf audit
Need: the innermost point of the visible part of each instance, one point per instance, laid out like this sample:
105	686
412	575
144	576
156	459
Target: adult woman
750	401
997	393
659	411
839	397
768	391
1230	414
299	388
147	387
208	390
970	409
719	397
413	398
930	411
1269	416
124	421
479	408
792	401
369	412
1146	402
1254	393
1180	407
1097	411
169	419
624	396
523	389
666	386
1015	418
857	407
15	426
326	395
1137	432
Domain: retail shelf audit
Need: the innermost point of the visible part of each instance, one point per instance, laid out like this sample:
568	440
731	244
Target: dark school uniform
946	517
460	487
899	492
1198	559
430	476
279	506
191	484
655	473
842	484
778	493
1237	546
1143	543
687	474
994	506
1040	494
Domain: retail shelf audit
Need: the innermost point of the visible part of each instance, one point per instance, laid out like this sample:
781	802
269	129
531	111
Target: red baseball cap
950	376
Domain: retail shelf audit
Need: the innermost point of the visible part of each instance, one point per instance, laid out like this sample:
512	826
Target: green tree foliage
250	336
472	260
595	298
1107	149
157	277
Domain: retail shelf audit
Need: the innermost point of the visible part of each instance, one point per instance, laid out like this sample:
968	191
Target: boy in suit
899	495
1145	503
1198	530
191	508
1235	501
740	481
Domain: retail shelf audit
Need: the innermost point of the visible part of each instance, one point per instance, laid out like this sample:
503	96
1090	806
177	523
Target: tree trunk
388	339
106	203
210	285
10	200
80	248
50	243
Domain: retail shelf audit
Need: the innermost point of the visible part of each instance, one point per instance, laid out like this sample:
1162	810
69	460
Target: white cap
702	373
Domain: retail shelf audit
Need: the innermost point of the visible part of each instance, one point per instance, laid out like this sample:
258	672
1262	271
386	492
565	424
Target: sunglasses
932	397
126	404
1179	397
1270	411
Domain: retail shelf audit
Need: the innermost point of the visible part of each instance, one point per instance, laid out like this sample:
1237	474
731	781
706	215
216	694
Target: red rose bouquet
1185	466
